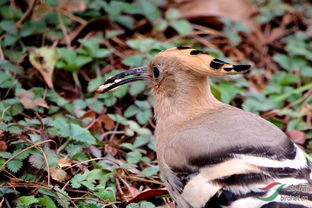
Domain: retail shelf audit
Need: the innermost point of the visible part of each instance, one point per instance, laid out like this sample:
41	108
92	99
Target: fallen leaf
100	121
29	102
3	146
148	194
41	102
108	123
71	5
95	151
36	161
58	174
238	10
40	11
296	136
64	162
44	60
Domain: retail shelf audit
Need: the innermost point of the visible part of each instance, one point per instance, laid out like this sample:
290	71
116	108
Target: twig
86	161
1	53
45	160
3	112
74	18
63	30
24	150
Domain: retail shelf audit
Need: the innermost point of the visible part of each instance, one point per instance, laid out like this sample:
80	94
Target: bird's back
232	158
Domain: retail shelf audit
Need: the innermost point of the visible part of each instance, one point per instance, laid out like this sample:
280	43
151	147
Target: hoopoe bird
212	154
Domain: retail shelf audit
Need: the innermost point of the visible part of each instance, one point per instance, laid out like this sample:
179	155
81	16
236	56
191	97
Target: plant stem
63	146
298	90
76	80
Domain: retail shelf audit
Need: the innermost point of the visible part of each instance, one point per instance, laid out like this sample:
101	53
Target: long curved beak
117	80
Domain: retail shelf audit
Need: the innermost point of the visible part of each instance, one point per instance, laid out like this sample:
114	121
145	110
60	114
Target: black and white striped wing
234	159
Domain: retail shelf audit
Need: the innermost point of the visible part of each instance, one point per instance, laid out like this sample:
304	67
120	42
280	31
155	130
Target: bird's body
213	155
208	164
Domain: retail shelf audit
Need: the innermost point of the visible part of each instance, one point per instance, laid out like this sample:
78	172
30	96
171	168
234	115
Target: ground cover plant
62	145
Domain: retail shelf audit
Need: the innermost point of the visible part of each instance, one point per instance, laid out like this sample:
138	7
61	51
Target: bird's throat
172	113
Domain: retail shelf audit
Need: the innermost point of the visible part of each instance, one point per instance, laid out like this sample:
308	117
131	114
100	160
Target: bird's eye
156	72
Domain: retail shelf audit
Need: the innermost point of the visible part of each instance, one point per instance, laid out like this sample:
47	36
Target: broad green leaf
172	14
107	194
147	205
135	60
149	10
134	157
131	111
282	60
133	205
14	165
4	191
27	200
47	202
73	131
150	171
182	26
81	134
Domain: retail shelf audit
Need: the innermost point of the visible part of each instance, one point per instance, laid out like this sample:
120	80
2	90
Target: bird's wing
228	157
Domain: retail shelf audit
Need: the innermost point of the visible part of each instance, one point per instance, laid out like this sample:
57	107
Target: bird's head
174	69
179	83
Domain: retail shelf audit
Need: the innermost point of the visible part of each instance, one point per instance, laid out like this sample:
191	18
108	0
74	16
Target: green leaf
95	83
62	127
137	88
289	79
27	200
47	202
147	205
133	205
73	131
5	155
282	60
172	14
141	140
150	171
21	156
228	91
297	124
6	65
134	157
182	26
306	71
135	60
15	165
81	134
125	20
144	116
107	194
131	111
4	191
77	179
149	10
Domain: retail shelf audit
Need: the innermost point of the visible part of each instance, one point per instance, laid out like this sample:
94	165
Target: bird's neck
188	103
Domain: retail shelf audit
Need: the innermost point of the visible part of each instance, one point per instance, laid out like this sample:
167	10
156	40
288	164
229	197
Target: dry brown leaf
237	10
64	162
58	174
40	11
41	102
96	152
3	146
108	123
71	5
28	101
296	136
44	60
